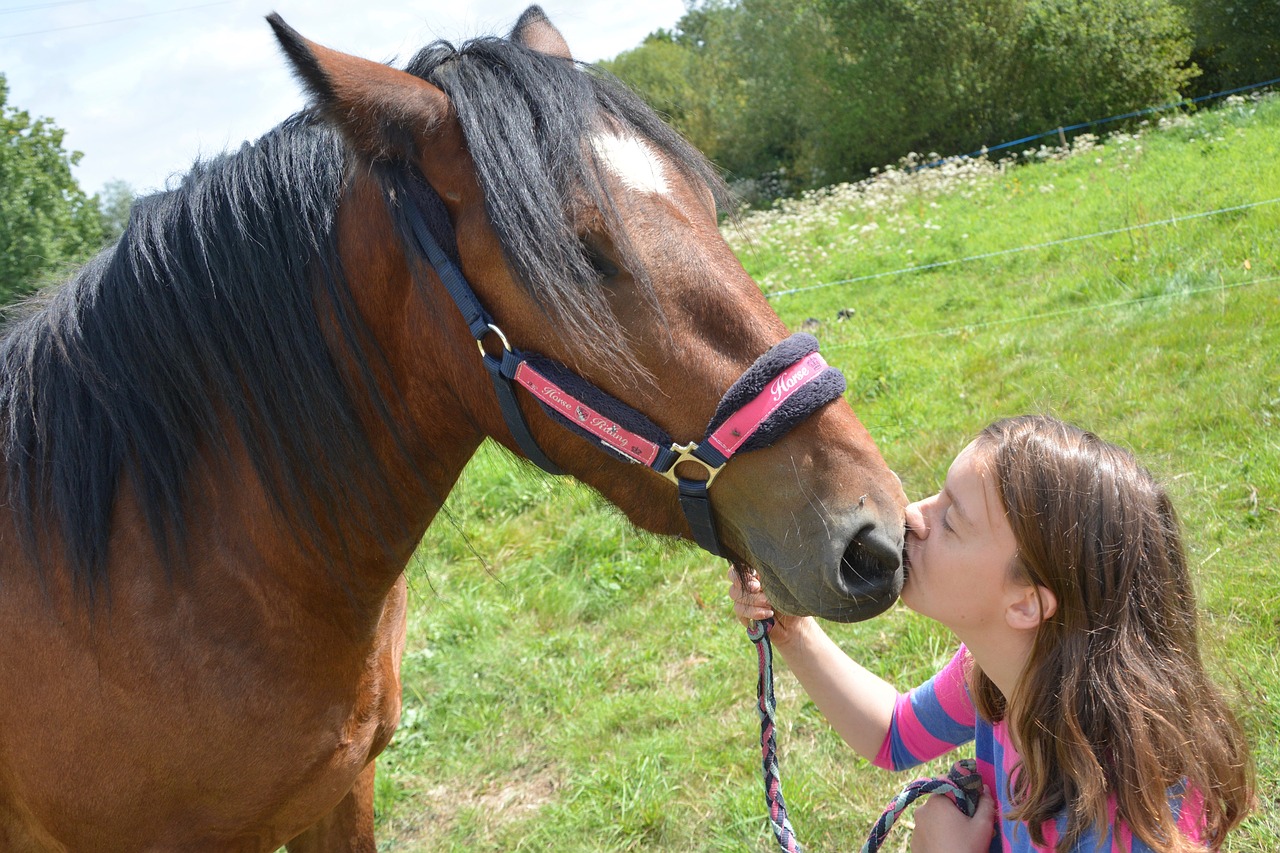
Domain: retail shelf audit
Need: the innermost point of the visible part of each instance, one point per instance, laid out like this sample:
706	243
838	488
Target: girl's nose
915	520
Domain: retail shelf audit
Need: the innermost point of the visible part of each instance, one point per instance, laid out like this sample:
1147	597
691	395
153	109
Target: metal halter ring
505	343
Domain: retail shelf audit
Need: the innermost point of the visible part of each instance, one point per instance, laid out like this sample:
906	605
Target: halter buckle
686	452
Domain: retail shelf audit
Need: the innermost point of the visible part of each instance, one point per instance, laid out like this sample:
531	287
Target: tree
1237	42
115	201
917	76
46	220
1088	59
780	93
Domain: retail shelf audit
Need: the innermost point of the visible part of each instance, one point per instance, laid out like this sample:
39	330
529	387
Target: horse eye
600	261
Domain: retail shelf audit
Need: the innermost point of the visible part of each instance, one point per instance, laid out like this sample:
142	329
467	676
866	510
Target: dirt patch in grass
434	813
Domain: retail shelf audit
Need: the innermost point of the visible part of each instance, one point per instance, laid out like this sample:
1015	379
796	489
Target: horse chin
861	590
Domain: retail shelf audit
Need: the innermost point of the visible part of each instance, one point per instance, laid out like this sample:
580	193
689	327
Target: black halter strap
784	386
502	368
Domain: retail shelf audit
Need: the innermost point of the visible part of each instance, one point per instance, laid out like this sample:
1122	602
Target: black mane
205	313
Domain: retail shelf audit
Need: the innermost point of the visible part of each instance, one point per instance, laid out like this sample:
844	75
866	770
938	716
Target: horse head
589	232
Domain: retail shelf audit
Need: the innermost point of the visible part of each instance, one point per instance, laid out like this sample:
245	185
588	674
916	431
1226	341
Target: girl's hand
750	604
943	828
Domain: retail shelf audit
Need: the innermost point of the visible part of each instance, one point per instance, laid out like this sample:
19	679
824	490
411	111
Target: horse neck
421	426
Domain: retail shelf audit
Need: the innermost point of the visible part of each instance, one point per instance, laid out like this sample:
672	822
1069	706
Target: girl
1057	561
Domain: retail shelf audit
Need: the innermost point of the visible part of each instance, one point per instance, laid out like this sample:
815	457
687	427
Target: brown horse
224	438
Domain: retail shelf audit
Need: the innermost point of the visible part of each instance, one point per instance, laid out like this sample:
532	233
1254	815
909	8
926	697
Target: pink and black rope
766	706
963	785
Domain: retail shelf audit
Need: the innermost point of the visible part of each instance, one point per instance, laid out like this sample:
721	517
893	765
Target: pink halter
783	387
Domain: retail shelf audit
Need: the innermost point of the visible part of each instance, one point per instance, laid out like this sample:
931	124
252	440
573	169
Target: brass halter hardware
686	455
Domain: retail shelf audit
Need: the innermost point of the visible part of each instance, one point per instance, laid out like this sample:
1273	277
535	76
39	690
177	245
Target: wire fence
1062	131
1049	315
1020	249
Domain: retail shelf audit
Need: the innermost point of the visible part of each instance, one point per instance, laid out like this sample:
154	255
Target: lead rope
963	785
766	706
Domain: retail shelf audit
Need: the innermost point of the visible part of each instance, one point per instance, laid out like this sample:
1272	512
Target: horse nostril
883	551
872	556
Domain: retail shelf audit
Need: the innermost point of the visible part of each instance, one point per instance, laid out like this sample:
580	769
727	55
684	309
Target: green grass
572	684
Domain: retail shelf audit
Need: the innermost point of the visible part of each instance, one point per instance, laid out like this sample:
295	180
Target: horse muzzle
848	568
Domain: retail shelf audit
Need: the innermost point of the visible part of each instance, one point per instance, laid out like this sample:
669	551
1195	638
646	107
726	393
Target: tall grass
572	684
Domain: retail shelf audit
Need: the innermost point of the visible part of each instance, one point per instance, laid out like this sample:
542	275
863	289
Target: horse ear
382	112
536	32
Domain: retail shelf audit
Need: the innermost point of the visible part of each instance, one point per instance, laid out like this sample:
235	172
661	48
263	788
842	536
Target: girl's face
960	550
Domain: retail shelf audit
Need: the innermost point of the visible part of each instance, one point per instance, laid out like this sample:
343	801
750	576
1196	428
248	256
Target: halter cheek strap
783	387
784	399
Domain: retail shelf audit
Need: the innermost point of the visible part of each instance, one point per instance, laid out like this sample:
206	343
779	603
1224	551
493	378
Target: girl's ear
1032	605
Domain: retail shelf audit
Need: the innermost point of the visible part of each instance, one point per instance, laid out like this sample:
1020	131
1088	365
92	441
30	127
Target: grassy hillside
573	685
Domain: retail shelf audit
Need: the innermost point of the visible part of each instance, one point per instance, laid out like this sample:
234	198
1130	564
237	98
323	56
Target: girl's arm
858	704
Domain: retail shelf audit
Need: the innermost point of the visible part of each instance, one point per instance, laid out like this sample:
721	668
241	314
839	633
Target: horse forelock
203	316
544	134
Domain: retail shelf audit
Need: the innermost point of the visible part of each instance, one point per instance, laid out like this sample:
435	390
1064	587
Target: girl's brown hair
1115	700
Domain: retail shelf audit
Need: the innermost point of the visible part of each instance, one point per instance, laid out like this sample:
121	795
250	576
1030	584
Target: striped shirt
939	715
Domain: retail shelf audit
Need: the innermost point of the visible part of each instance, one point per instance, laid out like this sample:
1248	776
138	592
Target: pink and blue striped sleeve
930	720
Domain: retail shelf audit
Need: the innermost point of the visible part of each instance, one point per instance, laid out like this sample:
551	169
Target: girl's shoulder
931	719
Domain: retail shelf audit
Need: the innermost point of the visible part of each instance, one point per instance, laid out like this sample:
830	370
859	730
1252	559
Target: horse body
222	669
221	709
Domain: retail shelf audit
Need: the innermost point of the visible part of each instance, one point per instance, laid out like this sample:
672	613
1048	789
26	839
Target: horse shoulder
236	683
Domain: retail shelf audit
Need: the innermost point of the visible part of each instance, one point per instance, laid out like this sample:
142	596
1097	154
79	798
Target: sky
146	87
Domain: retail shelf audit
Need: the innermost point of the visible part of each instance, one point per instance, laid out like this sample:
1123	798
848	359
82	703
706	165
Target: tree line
787	95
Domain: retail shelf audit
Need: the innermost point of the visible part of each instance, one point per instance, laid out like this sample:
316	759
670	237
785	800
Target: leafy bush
46	220
1237	42
794	94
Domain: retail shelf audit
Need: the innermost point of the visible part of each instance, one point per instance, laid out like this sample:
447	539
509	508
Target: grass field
573	685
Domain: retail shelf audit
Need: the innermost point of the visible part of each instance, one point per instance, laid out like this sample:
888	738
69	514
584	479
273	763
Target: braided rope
963	785
766	707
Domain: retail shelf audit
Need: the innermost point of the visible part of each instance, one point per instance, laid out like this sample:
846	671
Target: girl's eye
946	525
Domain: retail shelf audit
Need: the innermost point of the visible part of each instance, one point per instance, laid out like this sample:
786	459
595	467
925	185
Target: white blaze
634	163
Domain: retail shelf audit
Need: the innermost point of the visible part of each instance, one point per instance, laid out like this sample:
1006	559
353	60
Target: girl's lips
906	558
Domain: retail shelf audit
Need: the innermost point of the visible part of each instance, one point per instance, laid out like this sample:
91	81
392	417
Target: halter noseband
783	387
